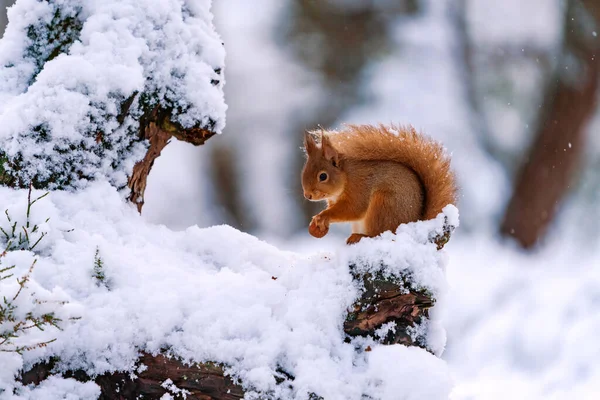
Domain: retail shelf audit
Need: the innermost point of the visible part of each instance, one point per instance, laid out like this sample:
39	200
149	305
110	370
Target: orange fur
377	177
423	155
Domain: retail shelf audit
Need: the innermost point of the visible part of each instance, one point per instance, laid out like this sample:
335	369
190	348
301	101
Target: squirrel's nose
308	196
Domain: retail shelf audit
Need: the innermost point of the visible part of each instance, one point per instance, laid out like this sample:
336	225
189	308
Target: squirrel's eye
322	177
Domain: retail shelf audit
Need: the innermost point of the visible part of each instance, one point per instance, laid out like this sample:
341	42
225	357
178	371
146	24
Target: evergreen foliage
13	323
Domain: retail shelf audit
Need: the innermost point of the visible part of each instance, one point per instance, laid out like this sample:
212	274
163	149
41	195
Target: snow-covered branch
85	85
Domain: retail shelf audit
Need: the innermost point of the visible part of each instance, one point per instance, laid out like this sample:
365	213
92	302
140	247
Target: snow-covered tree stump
384	301
394	299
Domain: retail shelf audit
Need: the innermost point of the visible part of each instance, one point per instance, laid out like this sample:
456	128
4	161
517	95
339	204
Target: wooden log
384	300
204	381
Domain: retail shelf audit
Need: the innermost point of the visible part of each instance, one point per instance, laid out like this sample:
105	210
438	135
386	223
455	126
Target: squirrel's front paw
319	226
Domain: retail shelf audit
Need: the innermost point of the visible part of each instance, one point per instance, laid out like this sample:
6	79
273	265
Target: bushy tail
426	157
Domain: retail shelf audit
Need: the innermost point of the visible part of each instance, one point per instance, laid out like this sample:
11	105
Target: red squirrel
376	177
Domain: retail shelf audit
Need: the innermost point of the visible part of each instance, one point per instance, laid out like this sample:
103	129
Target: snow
191	192
163	53
407	252
406	381
55	388
523	326
214	294
171	387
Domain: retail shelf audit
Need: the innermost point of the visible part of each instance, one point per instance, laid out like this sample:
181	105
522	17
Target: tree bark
158	130
550	166
202	381
384	300
205	381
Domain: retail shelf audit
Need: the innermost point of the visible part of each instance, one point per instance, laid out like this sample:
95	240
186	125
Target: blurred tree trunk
550	166
465	59
228	191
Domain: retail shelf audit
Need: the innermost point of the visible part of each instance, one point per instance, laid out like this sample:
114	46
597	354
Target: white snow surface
213	294
55	388
167	50
523	326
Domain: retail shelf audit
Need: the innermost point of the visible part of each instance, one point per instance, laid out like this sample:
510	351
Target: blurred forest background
510	87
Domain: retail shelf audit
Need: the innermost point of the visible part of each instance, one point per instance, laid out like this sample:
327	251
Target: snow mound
213	294
76	77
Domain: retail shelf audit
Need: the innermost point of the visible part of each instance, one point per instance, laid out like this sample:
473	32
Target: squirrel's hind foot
355	238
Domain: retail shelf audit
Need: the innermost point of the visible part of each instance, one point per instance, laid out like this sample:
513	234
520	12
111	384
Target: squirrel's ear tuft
329	152
309	142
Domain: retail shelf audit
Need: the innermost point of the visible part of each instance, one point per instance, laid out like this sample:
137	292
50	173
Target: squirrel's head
322	176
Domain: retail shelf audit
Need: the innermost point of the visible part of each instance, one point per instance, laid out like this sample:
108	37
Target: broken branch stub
392	300
158	130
